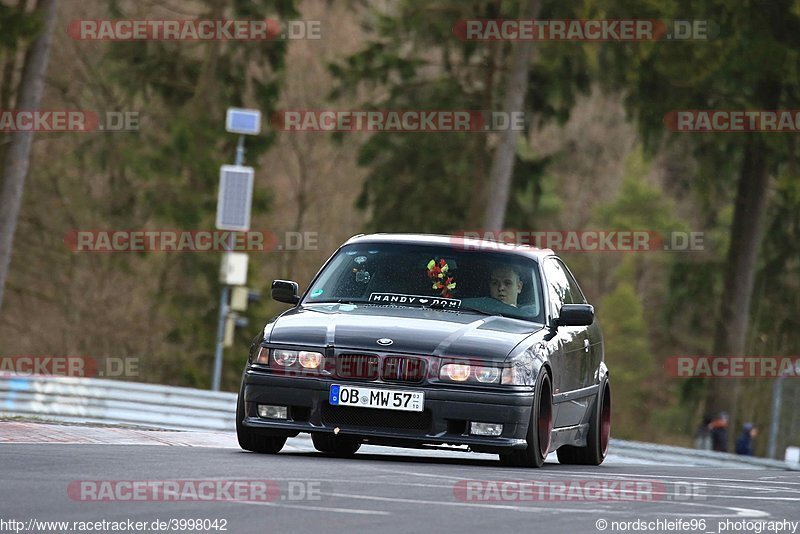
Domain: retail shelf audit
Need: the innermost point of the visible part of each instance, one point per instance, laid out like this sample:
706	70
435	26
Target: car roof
468	243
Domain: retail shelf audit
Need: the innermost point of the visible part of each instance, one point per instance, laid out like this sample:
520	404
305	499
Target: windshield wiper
476	310
339	301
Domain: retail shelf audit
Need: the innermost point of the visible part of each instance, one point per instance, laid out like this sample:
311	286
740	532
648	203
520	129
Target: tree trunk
15	167
503	161
733	317
734	311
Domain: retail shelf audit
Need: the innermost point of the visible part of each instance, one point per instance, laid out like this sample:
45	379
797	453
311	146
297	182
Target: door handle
585	345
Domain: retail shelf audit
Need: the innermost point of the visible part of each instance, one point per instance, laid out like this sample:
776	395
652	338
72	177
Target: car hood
412	330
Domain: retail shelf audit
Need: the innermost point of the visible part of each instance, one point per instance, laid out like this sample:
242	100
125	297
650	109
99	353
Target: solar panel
243	121
235	197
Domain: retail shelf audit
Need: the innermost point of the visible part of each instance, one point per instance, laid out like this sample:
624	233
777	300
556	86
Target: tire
596	448
339	446
540	428
251	439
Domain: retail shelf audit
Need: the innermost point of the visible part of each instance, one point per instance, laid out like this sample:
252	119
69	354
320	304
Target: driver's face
505	285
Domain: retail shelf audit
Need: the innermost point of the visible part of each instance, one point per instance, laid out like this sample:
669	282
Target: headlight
310	360
462	372
290	358
456	371
487	375
285	358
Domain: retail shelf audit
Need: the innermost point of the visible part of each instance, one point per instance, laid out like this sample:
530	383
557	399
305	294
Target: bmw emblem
385	341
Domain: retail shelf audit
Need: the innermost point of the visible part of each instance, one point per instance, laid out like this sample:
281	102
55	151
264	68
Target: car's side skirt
572	407
570	435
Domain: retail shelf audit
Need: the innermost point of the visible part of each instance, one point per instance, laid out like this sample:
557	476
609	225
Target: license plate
385	399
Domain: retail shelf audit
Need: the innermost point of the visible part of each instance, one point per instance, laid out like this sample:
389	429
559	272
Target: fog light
272	412
485	429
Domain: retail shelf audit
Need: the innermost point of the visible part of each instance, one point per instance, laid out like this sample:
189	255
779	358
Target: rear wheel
251	439
596	448
540	428
340	446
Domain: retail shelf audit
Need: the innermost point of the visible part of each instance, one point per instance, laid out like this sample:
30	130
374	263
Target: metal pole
224	297
223	313
240	151
777	391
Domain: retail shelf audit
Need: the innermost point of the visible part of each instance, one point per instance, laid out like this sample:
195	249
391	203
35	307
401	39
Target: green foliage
776	327
751	64
628	355
639	205
166	174
16	25
436	182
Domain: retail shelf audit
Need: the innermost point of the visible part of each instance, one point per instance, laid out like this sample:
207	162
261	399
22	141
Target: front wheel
596	448
252	440
540	428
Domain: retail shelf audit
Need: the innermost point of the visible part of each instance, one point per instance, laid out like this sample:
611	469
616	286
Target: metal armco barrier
116	402
91	400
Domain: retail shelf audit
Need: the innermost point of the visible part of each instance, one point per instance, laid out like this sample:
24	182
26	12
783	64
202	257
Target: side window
574	290
558	285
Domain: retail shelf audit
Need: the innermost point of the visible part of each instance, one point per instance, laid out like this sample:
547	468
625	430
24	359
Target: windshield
431	276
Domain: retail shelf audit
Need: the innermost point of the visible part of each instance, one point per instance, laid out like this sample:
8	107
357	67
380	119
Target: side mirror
285	291
575	315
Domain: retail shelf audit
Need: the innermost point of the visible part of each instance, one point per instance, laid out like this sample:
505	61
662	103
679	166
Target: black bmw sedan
424	341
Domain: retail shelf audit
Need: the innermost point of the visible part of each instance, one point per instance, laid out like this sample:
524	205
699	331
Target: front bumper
445	420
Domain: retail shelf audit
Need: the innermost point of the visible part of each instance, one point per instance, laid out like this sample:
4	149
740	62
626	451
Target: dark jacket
719	436
744	443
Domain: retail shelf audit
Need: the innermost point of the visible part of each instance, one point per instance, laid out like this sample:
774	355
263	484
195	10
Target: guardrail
92	400
115	402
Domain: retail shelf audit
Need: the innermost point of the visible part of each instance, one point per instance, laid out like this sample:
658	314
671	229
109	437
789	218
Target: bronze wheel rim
605	421
545	418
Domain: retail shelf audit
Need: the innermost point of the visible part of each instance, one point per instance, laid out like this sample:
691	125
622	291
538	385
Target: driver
505	285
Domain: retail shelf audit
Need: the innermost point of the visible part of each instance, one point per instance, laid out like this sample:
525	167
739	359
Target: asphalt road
387	490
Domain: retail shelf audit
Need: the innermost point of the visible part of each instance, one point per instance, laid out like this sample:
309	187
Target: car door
592	338
569	360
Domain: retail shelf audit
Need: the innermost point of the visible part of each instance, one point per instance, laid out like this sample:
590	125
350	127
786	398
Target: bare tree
503	161
17	160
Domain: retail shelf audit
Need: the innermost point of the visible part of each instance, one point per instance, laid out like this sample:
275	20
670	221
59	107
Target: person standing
719	432
744	443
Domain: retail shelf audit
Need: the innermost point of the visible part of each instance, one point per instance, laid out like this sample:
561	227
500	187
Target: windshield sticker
442	281
415	300
316	293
